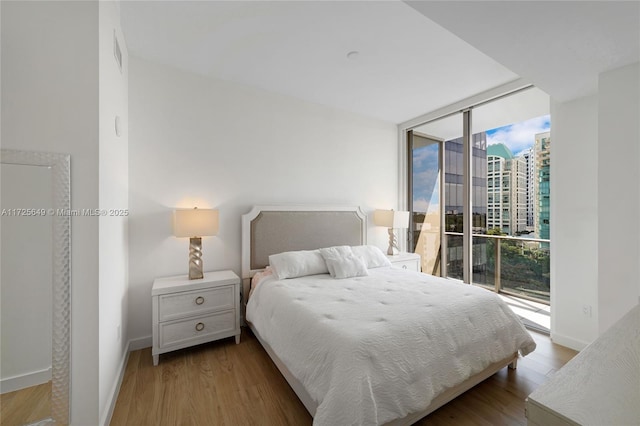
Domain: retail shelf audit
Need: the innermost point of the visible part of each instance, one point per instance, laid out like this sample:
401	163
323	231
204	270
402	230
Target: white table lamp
195	223
393	220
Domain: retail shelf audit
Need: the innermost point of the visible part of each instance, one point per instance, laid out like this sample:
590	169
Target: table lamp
195	223
392	220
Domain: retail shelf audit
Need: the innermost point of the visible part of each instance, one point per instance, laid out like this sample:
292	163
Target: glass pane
454	256
483	261
524	268
427	176
516	132
425	215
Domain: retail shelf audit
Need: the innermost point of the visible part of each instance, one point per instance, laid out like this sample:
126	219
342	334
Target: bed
378	346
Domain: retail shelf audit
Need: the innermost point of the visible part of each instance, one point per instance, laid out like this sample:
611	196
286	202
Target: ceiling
516	108
406	65
561	46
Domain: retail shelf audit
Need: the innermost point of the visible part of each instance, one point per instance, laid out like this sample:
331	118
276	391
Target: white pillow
346	267
292	264
334	252
373	257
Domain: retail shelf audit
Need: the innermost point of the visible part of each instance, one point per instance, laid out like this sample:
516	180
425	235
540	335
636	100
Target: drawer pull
199	326
404	266
199	300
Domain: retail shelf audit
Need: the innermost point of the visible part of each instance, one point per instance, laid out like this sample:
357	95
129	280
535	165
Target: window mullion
467	219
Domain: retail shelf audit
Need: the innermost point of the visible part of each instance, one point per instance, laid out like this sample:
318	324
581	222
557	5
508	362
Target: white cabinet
190	312
410	261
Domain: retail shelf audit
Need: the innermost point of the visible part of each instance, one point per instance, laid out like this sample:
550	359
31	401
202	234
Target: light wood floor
25	405
222	383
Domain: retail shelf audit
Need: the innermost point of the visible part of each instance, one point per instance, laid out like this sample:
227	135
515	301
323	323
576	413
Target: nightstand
410	261
190	312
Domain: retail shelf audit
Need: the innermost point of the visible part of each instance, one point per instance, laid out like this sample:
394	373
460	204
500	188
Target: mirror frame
60	165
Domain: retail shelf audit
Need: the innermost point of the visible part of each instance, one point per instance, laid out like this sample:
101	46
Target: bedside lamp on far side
195	223
392	220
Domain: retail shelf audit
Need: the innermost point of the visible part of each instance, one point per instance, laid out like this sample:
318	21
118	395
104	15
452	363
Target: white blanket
373	349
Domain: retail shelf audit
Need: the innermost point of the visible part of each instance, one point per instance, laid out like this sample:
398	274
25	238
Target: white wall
618	193
595	178
210	143
574	221
50	103
26	282
114	199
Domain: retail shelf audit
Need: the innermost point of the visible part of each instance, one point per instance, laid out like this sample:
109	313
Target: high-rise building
542	149
518	193
506	190
532	179
497	206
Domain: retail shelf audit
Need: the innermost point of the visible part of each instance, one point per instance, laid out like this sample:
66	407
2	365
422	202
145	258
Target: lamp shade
195	222
391	218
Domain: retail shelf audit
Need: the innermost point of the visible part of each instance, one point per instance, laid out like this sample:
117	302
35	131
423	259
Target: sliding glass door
426	214
436	195
515	230
478	183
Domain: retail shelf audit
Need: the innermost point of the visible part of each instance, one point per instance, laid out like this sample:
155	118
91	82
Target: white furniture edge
295	384
600	385
403	255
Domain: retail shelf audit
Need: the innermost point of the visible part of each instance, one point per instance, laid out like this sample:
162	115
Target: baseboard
140	343
105	418
22	381
569	342
132	345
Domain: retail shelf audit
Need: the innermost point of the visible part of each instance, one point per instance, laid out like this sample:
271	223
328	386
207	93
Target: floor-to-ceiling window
436	191
479	194
426	213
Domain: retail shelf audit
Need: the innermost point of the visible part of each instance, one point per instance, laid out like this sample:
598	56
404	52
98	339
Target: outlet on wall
586	310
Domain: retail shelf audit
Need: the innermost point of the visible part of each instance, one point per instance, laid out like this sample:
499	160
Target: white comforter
373	349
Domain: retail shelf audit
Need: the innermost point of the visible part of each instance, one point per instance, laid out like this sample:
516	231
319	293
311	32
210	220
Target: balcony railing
511	265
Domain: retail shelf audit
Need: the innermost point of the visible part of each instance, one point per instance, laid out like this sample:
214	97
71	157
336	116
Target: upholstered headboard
268	230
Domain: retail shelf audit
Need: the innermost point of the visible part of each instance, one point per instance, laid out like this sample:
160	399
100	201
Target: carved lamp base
195	258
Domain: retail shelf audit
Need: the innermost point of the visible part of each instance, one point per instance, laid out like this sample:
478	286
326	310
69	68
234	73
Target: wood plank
223	383
25	405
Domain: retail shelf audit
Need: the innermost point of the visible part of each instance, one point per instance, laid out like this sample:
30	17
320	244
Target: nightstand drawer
191	312
194	330
408	261
411	265
189	303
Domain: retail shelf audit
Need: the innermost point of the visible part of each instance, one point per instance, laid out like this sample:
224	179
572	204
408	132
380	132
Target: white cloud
423	206
421	156
519	136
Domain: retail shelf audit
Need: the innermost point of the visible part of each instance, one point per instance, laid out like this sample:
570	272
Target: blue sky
425	179
519	136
